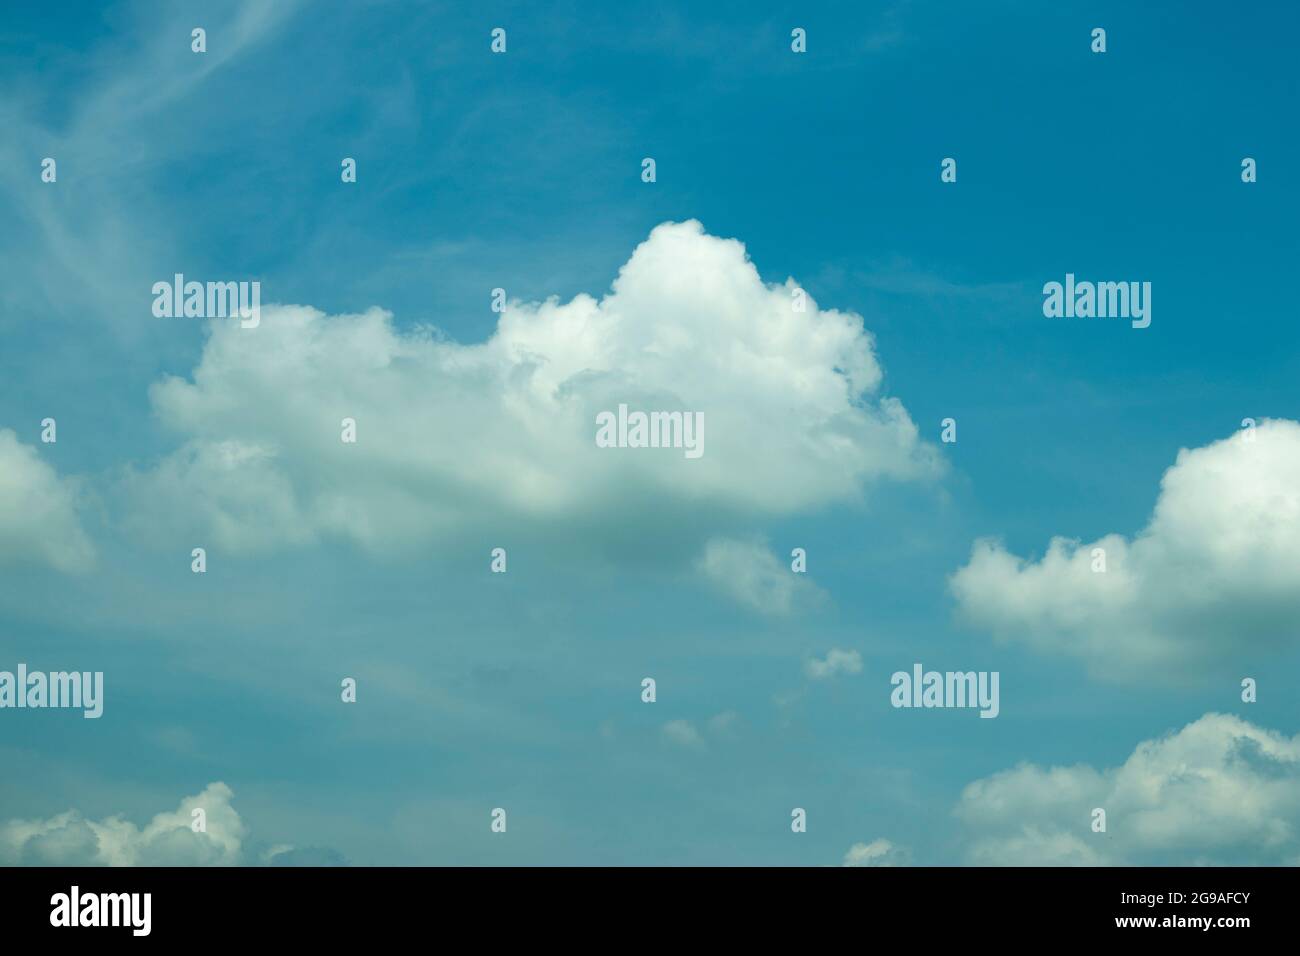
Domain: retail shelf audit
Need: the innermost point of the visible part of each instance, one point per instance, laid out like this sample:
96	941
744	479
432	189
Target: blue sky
522	171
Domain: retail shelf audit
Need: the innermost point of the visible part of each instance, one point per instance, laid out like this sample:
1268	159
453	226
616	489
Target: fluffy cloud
1215	571
751	575
836	662
453	435
38	512
876	853
683	734
69	839
1221	791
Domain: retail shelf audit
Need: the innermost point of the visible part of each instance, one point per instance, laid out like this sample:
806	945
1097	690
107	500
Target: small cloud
682	733
877	853
751	575
836	662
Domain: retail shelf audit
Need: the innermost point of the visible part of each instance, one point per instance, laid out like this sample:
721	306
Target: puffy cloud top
1216	571
877	853
1221	791
69	839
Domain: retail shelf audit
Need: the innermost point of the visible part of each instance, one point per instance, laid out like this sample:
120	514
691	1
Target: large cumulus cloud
453	436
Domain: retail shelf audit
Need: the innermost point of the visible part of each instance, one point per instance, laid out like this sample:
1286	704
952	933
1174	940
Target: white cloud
683	734
38	512
1215	572
69	839
1221	791
876	853
451	436
837	661
750	574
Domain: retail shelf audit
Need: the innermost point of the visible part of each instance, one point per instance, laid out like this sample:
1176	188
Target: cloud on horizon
1219	792
70	839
